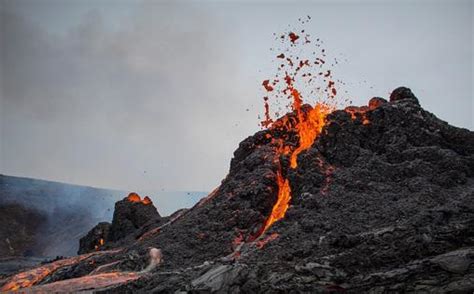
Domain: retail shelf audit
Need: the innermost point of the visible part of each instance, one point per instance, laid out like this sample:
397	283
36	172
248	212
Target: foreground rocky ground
383	201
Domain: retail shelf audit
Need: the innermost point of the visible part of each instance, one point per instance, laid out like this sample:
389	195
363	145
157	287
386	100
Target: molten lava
146	200
100	244
308	124
283	200
87	283
36	275
356	111
134	197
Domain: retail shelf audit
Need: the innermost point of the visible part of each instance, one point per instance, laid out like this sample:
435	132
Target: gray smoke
151	95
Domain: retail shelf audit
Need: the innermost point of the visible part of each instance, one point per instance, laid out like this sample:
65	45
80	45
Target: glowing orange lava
356	111
35	275
101	243
309	126
309	73
134	197
283	200
87	283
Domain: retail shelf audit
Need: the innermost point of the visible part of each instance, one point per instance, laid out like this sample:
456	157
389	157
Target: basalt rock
381	202
132	217
131	214
95	238
403	93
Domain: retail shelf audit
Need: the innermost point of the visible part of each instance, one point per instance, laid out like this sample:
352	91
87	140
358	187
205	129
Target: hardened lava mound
381	200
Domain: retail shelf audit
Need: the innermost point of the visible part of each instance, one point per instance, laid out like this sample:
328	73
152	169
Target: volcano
377	198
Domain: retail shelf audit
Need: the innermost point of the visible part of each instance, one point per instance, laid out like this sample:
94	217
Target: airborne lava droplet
283	200
268	121
267	86
290	62
293	37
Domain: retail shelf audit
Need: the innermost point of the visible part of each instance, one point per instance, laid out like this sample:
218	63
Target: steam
156	258
131	107
154	95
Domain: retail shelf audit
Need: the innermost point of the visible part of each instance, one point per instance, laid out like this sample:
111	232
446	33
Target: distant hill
51	217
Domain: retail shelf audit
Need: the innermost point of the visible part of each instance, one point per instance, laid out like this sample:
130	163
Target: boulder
130	214
95	238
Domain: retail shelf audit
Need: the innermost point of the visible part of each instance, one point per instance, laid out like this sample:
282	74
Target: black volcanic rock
129	215
132	217
95	238
381	202
69	211
403	93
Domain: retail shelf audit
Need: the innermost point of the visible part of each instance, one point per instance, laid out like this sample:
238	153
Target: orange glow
309	126
267	121
87	283
146	200
101	243
33	276
134	197
355	111
309	73
280	207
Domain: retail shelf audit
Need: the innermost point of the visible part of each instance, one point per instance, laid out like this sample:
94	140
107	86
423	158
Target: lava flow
283	200
36	275
314	77
87	283
309	126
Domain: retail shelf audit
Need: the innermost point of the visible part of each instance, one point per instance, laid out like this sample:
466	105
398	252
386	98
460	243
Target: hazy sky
155	95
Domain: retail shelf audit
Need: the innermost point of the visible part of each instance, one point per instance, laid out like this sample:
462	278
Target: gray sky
149	95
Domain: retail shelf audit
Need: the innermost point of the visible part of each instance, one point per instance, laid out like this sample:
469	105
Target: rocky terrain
46	219
381	201
52	215
19	229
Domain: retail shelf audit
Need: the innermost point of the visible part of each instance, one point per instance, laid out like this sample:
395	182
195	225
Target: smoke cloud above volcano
149	95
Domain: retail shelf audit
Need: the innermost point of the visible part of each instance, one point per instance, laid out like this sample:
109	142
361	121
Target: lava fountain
311	75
